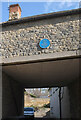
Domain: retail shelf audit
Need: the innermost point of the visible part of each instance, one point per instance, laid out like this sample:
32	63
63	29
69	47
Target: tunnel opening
61	99
39	100
60	74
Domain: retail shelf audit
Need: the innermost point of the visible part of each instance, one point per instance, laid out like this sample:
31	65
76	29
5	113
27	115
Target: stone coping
42	16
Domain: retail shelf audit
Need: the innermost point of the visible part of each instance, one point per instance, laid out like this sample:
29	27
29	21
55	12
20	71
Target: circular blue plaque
44	43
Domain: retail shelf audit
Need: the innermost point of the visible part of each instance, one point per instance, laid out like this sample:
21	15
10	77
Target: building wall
65	102
54	103
74	95
23	39
12	97
70	103
0	92
80	97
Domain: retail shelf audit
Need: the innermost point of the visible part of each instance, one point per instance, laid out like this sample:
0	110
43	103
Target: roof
42	16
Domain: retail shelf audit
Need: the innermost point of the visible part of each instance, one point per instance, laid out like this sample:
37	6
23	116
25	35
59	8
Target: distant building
55	103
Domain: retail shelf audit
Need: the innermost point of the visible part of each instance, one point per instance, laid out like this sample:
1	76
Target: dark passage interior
51	74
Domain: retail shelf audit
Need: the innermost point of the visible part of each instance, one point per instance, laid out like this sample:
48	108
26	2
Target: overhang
46	73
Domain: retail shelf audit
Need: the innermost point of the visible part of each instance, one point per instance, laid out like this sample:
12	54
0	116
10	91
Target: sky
36	8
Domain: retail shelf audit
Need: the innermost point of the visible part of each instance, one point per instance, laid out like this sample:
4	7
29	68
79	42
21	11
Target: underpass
47	73
24	64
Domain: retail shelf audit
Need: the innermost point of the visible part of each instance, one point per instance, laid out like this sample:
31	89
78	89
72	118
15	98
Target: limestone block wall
23	39
12	97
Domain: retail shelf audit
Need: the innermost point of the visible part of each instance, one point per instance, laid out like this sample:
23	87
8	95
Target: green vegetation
46	105
34	96
35	108
25	93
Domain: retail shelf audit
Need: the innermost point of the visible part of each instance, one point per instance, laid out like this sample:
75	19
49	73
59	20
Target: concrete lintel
55	56
78	52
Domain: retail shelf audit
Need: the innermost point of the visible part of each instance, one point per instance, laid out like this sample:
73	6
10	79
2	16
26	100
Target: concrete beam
38	58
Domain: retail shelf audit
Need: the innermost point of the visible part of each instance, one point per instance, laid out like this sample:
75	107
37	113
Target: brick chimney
14	12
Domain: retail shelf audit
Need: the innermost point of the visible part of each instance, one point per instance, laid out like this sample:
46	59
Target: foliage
25	93
34	96
35	108
46	105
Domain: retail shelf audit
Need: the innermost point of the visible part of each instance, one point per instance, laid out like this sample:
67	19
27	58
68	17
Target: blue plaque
44	43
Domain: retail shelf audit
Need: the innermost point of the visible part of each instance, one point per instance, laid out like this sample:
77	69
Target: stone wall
23	39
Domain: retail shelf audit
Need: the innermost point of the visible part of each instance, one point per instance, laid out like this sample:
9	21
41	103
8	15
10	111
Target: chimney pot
14	12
